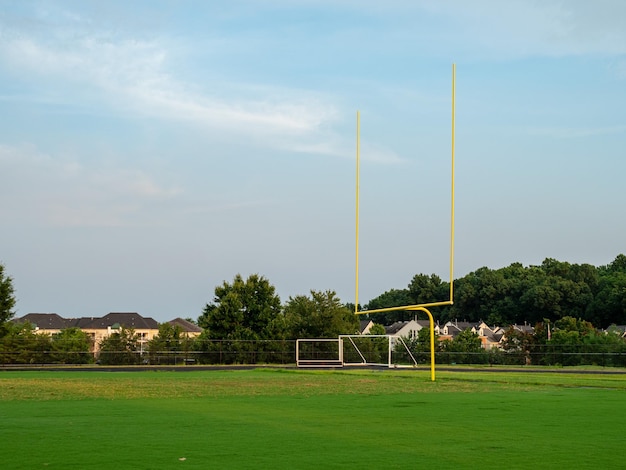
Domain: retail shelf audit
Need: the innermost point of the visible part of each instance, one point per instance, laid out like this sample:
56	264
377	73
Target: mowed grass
299	419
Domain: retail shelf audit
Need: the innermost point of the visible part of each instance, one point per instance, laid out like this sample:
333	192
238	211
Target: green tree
7	299
426	289
322	315
482	294
518	346
377	329
565	343
609	303
465	348
391	298
169	344
420	345
516	294
608	347
120	348
72	346
22	344
244	310
241	322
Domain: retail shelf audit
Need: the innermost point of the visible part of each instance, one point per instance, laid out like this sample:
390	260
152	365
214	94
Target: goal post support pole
432	340
356	258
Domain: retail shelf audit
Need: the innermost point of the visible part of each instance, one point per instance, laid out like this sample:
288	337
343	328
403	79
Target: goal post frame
340	361
318	362
417	307
390	344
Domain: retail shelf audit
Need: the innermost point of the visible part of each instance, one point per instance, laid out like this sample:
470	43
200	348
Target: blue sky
151	150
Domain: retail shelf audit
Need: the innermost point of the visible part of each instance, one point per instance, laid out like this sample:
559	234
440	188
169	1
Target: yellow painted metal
356	270
432	341
452	194
406	307
419	307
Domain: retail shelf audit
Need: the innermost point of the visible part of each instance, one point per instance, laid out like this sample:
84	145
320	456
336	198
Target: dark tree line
517	294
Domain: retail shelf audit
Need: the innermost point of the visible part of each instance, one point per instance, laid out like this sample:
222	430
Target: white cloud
335	147
132	75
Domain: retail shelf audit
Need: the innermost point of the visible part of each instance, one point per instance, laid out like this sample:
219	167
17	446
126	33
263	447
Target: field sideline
288	418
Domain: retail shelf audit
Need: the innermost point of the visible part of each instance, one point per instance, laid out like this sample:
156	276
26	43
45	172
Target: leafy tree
465	341
377	329
482	294
465	348
168	344
168	338
7	299
571	324
565	343
518	345
618	264
120	348
609	303
609	347
420	345
391	298
516	294
242	310
21	344
241	322
426	289
72	346
322	315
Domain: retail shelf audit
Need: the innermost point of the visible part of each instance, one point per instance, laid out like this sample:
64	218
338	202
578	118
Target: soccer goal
375	350
354	350
318	353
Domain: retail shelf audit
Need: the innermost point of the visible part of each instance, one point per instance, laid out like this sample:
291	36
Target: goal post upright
417	307
356	267
452	186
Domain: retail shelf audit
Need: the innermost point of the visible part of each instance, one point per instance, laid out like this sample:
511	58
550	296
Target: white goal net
354	350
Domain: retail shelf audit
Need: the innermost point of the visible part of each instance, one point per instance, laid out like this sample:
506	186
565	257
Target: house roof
365	325
463	325
125	319
45	321
452	330
524	328
395	327
186	325
398	326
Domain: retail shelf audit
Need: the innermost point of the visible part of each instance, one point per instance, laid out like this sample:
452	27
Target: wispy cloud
134	76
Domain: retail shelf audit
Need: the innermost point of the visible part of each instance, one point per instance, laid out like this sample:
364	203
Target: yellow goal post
418	307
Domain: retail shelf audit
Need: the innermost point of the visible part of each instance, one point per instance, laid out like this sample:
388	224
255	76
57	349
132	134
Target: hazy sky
150	150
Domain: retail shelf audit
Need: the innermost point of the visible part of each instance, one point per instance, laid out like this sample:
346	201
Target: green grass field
300	419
